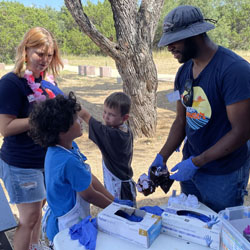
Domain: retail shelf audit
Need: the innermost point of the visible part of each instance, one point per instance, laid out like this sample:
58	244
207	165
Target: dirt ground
91	92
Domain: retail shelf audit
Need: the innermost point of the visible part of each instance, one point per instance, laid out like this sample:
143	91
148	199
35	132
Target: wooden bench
7	221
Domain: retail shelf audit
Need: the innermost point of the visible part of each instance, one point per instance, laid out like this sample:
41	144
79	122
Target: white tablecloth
104	241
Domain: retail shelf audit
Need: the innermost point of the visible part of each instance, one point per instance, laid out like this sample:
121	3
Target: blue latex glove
208	240
124	202
186	170
75	231
214	220
153	210
89	235
158	162
86	232
131	217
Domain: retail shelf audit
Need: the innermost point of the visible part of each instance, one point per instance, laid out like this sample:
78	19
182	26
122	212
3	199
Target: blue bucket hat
183	22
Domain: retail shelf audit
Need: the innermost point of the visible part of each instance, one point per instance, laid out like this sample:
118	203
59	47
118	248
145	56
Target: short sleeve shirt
65	174
224	81
20	150
116	147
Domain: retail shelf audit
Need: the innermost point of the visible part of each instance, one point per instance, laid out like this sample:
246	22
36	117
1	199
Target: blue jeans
219	191
24	185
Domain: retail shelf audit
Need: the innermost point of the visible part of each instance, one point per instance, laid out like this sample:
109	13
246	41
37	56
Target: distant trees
73	41
12	27
236	21
232	29
16	19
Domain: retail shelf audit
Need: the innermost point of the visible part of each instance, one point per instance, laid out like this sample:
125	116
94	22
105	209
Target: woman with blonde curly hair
21	160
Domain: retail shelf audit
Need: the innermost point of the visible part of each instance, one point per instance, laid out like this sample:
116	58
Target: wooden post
105	71
80	70
89	70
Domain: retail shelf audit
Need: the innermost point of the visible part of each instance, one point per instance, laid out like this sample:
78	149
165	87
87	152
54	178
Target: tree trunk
135	29
140	83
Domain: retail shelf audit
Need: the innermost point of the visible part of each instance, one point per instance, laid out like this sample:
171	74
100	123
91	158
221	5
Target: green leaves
232	29
16	19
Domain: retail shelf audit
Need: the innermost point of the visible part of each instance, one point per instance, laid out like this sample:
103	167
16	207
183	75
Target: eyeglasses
188	98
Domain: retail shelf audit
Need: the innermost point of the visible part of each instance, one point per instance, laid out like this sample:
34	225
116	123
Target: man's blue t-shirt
20	150
65	174
224	81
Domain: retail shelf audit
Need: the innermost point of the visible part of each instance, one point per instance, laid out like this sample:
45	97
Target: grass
164	61
91	60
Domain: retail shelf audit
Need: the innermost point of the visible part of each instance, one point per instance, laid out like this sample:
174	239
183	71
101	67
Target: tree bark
135	29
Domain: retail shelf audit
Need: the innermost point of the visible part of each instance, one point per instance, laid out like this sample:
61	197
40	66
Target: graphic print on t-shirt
200	113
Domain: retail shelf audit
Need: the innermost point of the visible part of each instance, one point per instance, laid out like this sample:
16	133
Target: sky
56	4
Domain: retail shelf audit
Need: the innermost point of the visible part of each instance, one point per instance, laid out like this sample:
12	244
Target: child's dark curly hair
51	117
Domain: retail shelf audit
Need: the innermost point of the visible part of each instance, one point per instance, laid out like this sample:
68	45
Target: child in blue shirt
70	186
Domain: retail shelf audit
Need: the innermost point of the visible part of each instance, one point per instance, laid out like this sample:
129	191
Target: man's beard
190	50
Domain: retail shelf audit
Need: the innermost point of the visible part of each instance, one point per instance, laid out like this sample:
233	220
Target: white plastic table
105	241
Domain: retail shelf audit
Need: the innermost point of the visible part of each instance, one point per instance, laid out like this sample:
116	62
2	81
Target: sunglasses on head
188	98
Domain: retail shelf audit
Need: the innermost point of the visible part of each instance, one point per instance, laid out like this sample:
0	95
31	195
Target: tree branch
124	14
149	13
76	10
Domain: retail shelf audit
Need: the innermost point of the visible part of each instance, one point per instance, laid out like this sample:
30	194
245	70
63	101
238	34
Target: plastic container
246	233
234	221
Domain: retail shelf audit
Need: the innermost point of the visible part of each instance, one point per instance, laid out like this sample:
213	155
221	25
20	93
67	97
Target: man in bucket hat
213	112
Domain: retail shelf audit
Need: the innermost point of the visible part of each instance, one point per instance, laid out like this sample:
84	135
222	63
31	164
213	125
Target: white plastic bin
234	221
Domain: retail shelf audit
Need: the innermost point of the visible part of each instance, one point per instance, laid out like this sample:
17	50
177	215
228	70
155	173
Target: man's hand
158	162
186	170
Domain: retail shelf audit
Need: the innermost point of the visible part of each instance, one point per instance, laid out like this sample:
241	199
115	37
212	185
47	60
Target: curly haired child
54	124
